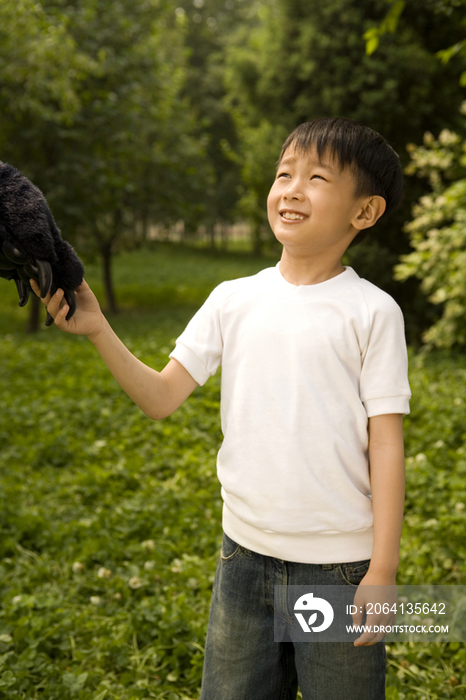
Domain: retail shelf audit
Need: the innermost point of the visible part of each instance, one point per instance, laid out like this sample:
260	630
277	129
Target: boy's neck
306	270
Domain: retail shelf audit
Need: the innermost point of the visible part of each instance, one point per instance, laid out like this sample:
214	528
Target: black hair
375	164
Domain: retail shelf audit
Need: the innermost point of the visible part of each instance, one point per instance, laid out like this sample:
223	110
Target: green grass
110	523
173	276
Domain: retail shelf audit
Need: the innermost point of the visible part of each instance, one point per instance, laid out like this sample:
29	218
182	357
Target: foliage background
111	525
438	235
168	116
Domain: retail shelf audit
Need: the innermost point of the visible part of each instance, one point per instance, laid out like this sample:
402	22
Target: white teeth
292	216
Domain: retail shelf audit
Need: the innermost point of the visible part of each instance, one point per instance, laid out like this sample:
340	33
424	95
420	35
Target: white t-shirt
303	367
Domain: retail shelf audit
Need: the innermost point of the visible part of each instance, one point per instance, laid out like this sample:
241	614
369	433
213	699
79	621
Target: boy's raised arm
157	394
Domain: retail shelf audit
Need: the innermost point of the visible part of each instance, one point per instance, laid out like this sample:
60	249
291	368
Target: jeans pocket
352	573
231	549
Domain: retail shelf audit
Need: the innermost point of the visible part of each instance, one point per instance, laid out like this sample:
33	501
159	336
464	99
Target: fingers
369	637
375	628
374	612
44	275
56	304
35	287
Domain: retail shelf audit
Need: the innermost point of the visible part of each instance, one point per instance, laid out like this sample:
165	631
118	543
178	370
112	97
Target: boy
314	386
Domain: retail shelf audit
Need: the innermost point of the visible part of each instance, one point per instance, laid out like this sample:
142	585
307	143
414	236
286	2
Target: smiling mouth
292	216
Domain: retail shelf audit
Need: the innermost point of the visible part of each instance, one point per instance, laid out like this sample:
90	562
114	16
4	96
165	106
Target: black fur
27	223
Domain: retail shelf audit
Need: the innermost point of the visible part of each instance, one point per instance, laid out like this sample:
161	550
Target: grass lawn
110	523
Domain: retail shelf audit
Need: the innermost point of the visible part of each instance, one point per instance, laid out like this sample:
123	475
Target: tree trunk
106	252
32	325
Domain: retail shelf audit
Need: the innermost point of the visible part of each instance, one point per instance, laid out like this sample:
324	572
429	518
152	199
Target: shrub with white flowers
438	234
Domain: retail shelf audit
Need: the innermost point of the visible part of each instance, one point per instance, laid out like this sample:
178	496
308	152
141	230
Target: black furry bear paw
31	245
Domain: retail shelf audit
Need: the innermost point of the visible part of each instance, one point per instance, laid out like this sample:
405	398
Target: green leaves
40	64
110	527
111	524
74	683
435	519
293	61
92	110
438	235
388	24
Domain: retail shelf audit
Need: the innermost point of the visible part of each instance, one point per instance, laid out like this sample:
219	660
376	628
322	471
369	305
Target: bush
438	235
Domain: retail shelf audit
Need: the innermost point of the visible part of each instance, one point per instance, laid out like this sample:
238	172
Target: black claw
70	297
45	277
6	263
49	320
14	254
23	291
31	271
22	275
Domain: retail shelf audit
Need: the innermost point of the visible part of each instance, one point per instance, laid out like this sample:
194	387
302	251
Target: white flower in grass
95	599
177	566
77	567
104	573
135	582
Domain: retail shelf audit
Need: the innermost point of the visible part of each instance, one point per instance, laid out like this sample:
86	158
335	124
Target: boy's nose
293	191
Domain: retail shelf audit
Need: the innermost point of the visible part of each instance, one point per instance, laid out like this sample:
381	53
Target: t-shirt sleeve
384	386
199	348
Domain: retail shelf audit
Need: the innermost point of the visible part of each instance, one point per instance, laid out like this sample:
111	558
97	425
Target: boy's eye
317	176
283	175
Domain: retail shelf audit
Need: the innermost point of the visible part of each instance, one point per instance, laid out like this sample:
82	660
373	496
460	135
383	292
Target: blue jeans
242	661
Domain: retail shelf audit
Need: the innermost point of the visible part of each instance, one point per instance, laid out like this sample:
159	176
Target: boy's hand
88	319
377	596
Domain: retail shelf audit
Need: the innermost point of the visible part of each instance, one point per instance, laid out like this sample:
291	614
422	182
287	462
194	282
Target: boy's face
312	204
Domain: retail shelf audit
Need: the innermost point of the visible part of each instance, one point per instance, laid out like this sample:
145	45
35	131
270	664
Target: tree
391	21
256	158
129	158
41	68
294	60
438	235
101	129
208	25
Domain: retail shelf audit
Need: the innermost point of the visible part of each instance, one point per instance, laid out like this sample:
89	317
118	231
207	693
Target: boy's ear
370	212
